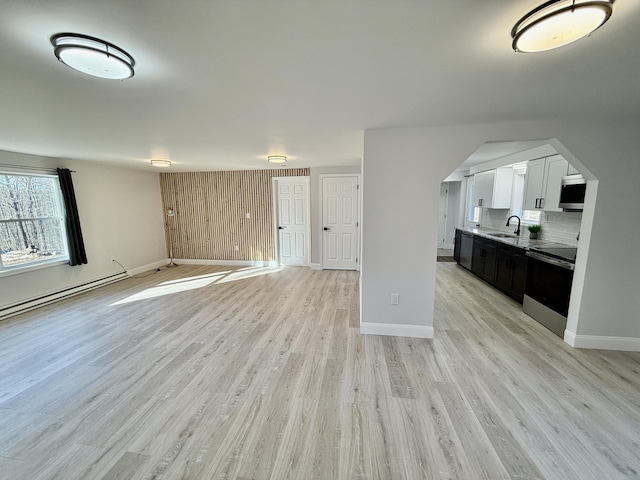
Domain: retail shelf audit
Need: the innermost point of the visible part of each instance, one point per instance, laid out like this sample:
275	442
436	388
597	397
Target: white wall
120	214
400	230
399	257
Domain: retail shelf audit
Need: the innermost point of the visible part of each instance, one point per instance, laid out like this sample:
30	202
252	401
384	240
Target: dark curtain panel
77	254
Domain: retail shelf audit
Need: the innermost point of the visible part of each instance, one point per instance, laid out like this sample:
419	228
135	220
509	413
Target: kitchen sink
502	235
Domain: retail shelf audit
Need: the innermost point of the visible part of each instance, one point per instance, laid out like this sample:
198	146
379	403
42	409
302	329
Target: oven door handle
552	261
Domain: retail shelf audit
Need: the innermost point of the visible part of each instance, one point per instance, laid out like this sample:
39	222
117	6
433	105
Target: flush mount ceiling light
277	159
92	56
559	22
161	163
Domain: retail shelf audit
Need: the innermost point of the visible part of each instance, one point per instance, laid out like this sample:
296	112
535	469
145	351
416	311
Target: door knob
281	228
326	228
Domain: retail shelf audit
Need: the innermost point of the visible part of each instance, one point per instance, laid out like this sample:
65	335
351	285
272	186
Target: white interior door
292	200
442	215
340	199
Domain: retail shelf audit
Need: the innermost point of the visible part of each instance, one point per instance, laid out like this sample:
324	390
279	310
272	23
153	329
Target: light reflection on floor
197	281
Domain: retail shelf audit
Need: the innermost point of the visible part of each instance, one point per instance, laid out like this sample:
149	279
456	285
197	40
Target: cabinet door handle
541	202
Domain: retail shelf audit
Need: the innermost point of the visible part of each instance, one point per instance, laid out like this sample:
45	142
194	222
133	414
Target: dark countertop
523	241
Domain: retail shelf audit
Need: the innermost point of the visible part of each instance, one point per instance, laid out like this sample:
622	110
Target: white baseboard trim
417	331
229	263
316	266
146	268
33	303
626	344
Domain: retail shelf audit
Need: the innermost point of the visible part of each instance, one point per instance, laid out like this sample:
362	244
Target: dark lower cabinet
511	271
484	258
503	266
519	282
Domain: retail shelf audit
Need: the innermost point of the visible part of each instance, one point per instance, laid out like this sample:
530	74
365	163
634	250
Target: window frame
59	217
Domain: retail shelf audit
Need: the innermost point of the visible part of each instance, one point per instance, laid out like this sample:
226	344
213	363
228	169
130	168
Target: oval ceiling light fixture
161	163
277	159
559	22
93	56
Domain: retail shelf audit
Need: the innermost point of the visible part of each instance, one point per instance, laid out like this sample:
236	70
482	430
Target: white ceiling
221	84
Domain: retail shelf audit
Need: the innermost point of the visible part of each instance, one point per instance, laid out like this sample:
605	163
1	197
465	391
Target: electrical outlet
236	248
247	215
395	299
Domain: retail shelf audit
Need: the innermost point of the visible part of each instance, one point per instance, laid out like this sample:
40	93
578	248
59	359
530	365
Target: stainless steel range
548	287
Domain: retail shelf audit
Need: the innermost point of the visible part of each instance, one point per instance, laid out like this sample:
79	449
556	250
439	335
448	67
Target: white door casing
292	220
442	215
340	207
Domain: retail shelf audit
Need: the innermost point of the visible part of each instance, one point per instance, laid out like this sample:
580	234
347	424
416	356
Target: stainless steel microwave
572	192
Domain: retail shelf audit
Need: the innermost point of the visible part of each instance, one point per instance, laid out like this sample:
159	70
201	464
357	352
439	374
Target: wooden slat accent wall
210	213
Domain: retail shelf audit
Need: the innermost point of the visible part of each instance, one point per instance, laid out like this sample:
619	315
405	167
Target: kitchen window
531	217
32	222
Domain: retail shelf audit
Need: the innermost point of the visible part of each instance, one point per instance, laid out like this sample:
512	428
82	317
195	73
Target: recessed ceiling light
92	56
161	163
559	22
277	159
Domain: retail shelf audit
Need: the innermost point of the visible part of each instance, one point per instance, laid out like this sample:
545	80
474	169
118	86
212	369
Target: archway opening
501	193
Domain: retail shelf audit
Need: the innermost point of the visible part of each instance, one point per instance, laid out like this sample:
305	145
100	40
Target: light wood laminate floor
217	373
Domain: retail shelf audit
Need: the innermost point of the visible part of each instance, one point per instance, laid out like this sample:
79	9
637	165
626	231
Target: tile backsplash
561	227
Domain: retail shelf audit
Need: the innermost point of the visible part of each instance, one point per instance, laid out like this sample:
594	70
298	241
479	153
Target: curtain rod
27	167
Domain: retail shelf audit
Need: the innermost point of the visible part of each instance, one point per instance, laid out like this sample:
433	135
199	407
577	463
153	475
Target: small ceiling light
559	22
92	56
161	163
277	159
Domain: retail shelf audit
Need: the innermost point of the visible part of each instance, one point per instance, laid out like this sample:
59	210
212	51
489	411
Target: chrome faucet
517	232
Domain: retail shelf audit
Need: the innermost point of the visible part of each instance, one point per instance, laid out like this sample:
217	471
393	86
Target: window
473	213
32	223
531	216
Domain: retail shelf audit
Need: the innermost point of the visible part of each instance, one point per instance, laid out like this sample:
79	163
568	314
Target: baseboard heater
41	301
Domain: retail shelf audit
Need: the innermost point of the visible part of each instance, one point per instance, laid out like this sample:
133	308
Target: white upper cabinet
543	183
483	190
556	168
533	184
493	188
